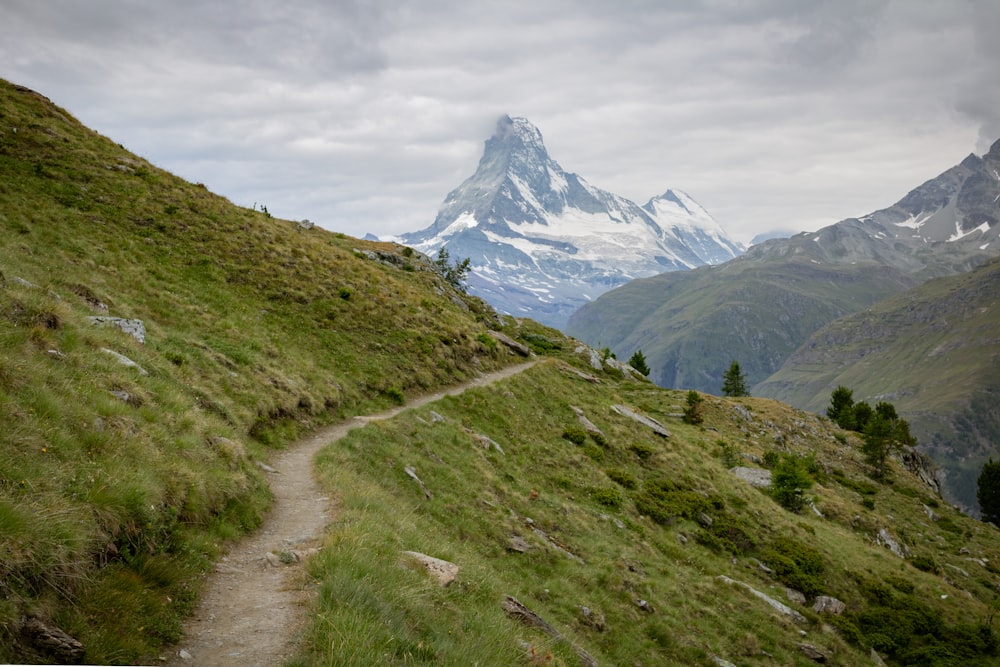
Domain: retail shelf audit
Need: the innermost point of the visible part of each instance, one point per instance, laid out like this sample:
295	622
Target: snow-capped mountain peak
543	241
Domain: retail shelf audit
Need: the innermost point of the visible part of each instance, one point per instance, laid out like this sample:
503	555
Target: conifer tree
988	491
638	362
734	382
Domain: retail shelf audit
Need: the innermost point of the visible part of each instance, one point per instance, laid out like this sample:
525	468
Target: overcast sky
361	115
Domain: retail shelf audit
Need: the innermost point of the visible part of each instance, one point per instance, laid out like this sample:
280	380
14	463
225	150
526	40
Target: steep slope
543	241
125	464
934	352
593	540
760	307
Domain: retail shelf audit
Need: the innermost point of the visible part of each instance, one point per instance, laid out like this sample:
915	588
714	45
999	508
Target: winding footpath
253	606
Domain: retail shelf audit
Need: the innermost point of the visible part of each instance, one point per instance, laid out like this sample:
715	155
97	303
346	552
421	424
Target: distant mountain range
543	241
760	308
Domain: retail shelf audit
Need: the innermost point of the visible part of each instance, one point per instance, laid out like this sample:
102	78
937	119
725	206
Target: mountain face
543	241
936	352
760	307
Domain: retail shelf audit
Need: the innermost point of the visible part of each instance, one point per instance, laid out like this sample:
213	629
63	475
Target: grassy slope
932	351
372	610
690	325
111	506
111	509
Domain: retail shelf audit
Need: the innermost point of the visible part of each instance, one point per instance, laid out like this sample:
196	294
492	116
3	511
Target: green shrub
623	478
730	454
771	458
692	413
796	565
642	450
608	496
731	537
868	503
575	434
663	501
924	564
541	344
789	482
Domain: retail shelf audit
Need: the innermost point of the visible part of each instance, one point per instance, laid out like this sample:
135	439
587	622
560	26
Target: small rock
121	394
517	543
134	328
795	596
57	354
184	655
705	520
23	282
759	478
594	619
266	468
812	652
436	418
761	566
885	539
645	606
125	361
442	571
828	605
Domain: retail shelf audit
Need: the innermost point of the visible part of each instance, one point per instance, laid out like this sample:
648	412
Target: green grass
119	489
623	552
256	333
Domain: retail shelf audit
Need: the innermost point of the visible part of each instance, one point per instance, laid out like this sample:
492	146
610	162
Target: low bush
796	565
623	478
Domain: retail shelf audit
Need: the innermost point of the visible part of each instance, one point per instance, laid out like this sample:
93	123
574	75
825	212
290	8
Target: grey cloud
365	113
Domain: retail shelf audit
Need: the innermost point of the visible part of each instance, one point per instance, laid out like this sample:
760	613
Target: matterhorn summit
543	241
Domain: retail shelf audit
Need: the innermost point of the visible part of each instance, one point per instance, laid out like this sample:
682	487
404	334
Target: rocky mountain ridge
764	304
543	241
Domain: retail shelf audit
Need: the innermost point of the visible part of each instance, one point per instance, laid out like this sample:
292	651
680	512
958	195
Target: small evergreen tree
734	382
988	491
692	413
790	480
884	432
453	274
862	412
638	362
841	408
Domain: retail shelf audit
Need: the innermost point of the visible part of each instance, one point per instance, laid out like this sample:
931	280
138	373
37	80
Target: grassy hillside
690	325
933	351
618	541
118	485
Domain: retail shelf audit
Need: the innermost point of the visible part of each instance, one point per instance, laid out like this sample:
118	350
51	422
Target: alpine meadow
159	345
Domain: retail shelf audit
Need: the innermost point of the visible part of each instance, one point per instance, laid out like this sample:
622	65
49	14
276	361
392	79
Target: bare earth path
253	606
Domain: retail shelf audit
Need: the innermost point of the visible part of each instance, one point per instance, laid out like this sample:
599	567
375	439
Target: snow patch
914	222
959	234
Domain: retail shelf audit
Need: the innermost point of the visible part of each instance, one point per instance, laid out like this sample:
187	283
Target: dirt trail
253	606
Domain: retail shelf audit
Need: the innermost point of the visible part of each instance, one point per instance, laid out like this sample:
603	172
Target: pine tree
841	408
884	432
692	413
734	382
988	491
638	362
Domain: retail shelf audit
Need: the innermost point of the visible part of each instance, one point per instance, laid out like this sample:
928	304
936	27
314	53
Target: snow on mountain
543	241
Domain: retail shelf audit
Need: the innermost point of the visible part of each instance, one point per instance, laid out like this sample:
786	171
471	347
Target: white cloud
363	115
